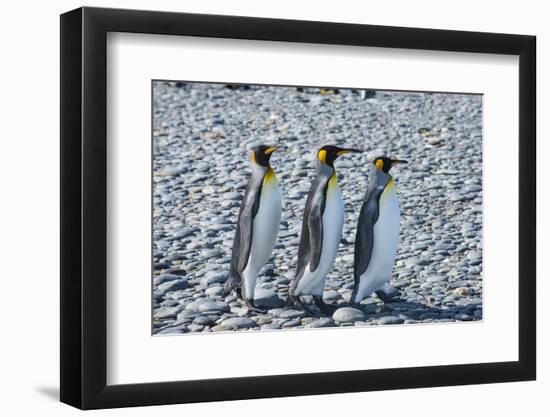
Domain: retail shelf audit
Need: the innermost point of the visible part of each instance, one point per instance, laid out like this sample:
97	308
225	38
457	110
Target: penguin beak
398	161
270	150
347	150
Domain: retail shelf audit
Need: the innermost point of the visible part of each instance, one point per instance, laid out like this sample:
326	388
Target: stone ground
201	138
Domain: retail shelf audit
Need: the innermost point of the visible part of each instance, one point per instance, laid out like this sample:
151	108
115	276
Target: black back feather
245	225
311	239
368	216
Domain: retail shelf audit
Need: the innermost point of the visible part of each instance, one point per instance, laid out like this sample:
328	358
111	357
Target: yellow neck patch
269	176
333	180
389	185
322	156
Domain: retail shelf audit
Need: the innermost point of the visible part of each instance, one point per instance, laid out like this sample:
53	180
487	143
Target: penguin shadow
406	310
377	306
375	309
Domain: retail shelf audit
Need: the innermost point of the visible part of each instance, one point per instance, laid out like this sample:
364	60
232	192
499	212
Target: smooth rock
348	315
322	322
287	313
235	323
161	279
204	320
178	284
166	312
267	298
214	278
461	291
390	320
216	290
183	233
291	323
213	306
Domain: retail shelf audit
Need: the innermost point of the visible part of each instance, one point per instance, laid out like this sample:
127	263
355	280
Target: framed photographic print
258	208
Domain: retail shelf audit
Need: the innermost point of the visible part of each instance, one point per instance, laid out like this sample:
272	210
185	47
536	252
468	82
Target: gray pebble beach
202	134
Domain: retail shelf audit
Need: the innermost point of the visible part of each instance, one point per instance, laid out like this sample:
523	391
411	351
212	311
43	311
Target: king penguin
321	231
377	235
257	226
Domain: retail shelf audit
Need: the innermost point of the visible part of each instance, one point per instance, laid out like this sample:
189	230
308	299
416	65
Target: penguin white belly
385	244
266	225
313	283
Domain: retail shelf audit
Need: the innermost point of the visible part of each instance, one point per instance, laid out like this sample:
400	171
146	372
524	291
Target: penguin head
262	153
328	153
384	164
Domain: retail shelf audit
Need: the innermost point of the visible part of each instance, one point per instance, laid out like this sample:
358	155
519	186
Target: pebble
213	306
165	287
438	278
203	320
238	323
462	291
267	298
271	326
215	290
348	315
161	279
196	201
214	278
463	317
286	314
331	295
232	196
390	320
195	327
166	312
172	330
321	322
290	323
185	232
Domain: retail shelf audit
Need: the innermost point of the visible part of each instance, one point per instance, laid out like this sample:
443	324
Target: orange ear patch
379	164
323	156
253	157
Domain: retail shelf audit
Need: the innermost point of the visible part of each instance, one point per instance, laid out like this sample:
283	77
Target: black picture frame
84	207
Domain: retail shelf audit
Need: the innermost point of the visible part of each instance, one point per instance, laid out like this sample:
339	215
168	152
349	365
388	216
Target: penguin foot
311	310
252	307
291	301
295	301
388	298
233	283
325	308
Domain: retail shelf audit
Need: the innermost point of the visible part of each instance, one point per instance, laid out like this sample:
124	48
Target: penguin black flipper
311	238
364	237
243	235
315	225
